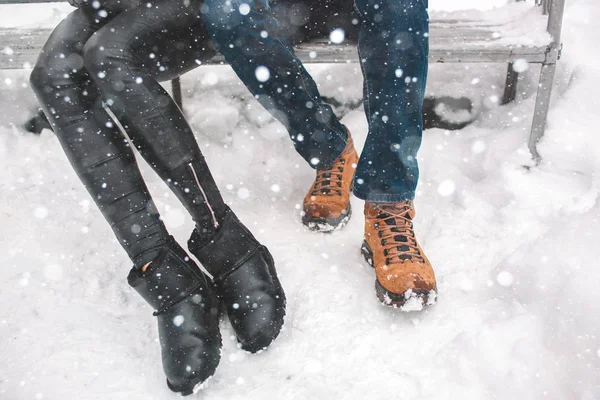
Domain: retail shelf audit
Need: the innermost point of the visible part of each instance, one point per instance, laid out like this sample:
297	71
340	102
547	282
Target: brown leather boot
405	278
327	203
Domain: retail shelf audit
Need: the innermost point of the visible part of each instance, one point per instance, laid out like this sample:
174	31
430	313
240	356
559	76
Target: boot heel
187	315
367	253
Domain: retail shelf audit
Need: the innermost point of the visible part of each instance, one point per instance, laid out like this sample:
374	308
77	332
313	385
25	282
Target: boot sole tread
327	225
396	300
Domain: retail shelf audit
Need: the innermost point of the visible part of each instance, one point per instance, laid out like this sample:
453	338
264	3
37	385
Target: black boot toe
246	282
255	301
197	352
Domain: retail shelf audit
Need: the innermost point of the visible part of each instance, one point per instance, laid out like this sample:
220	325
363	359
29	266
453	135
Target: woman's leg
172	283
96	149
125	59
118	59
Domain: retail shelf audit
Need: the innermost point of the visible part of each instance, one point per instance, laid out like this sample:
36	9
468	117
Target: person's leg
120	63
393	46
163	274
246	33
124	59
93	145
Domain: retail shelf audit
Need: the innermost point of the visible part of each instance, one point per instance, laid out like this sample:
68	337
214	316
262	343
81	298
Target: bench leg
510	88
176	90
542	105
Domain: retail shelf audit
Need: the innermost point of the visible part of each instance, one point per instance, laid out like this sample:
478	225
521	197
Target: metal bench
452	40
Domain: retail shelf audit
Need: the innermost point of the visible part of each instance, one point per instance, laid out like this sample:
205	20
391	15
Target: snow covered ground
515	251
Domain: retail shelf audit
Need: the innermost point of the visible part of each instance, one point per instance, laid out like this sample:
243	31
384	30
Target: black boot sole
189	388
327	225
397	300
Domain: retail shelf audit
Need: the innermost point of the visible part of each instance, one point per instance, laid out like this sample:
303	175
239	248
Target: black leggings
115	59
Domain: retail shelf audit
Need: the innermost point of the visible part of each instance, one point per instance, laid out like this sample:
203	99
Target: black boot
188	316
246	281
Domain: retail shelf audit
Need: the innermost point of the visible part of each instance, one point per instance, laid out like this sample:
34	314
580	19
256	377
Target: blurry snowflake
446	188
244	9
53	272
505	278
478	147
40	212
210	79
178	320
243	193
262	73
337	36
521	65
24	281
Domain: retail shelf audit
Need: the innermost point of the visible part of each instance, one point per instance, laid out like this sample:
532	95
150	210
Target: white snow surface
515	251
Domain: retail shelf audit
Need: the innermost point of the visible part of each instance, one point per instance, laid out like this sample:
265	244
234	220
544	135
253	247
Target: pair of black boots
188	304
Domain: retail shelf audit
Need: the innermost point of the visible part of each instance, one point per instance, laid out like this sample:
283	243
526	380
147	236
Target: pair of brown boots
404	276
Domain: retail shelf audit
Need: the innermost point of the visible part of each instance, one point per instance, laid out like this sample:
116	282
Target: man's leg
246	33
393	48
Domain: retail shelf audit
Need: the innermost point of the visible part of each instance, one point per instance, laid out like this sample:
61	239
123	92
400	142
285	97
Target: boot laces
329	181
396	234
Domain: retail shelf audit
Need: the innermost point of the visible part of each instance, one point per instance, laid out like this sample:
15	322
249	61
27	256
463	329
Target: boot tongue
388	215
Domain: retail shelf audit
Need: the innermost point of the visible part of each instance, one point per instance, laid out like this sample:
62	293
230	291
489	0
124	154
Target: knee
39	80
219	15
100	59
214	14
95	58
53	71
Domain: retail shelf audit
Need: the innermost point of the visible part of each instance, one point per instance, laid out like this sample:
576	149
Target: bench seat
473	38
518	31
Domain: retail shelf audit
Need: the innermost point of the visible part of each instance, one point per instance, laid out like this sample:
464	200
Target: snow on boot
405	278
327	204
187	312
246	281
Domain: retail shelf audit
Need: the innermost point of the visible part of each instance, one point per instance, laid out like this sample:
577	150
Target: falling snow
337	36
262	73
514	247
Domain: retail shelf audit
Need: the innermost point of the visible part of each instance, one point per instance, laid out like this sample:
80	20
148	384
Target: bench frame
555	10
344	53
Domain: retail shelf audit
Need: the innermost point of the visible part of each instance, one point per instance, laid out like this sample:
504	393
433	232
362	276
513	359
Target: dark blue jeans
393	46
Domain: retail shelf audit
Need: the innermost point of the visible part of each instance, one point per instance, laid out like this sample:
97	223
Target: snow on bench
517	32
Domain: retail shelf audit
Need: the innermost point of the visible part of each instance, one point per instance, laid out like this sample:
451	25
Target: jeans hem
334	154
384	197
